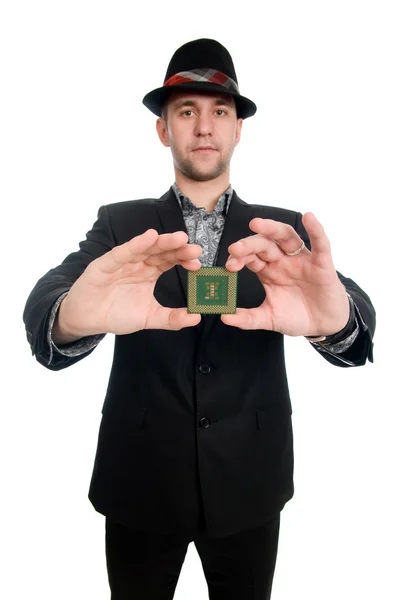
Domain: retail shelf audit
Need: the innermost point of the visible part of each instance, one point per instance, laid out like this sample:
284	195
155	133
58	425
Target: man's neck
203	193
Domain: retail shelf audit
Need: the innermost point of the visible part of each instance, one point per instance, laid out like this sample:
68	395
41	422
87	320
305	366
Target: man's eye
187	113
220	111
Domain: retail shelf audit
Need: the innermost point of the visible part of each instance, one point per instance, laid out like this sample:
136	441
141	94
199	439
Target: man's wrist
340	335
60	333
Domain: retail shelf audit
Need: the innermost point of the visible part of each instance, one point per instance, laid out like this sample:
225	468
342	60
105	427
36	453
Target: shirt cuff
342	346
74	348
342	340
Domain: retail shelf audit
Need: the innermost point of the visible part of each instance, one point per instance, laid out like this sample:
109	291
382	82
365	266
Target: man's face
202	132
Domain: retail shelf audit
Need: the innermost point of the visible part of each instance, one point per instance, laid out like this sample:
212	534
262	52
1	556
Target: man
195	442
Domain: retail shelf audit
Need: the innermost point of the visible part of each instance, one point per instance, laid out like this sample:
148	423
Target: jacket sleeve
362	347
58	281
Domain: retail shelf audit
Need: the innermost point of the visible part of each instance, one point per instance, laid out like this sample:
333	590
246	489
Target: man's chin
204	176
197	174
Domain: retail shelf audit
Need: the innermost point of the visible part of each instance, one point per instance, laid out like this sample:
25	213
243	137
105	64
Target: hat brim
156	99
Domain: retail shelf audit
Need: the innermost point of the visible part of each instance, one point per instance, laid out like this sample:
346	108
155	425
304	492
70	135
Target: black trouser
146	566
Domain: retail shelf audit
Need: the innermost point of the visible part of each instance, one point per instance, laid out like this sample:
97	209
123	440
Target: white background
326	138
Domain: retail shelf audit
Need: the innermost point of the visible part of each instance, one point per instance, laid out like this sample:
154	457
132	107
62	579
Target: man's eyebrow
180	103
188	102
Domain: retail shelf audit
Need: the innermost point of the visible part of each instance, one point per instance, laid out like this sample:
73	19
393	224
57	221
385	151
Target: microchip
212	291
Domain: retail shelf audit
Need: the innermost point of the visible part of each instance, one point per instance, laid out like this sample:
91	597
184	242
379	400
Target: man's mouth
204	149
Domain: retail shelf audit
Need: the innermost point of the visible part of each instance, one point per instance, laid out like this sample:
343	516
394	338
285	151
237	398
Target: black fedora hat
200	66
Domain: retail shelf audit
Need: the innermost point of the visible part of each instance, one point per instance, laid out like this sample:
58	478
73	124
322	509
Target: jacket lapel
171	219
236	227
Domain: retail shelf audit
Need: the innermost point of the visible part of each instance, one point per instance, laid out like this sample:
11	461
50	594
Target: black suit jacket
202	411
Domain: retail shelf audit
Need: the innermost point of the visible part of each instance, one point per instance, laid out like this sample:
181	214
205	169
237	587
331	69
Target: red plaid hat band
204	76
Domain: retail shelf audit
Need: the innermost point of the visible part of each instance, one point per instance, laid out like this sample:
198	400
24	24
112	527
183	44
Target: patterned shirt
205	228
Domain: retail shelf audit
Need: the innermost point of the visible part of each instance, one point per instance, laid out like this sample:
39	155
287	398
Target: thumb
172	319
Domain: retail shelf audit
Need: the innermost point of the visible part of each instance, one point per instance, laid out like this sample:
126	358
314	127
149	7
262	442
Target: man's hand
115	292
304	295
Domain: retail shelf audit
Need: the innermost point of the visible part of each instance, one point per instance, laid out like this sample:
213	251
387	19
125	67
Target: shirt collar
188	207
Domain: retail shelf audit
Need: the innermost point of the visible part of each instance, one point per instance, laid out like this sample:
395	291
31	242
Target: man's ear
239	129
161	128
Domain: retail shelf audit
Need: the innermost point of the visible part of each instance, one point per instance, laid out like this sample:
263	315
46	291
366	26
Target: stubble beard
190	170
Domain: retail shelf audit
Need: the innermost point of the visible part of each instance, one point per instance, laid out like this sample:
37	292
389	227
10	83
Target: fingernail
232	260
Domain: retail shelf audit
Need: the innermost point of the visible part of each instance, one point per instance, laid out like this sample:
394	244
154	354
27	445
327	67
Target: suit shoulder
285	215
130	206
131	217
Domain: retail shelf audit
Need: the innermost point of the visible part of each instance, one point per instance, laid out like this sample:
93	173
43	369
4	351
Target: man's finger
236	264
172	319
255	245
190	265
187	252
169	241
320	243
283	234
120	255
256	264
248	318
140	247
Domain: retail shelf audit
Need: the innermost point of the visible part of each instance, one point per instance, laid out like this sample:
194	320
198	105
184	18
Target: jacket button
204	369
204	422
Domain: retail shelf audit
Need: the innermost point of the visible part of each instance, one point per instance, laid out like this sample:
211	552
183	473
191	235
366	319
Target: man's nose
204	125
